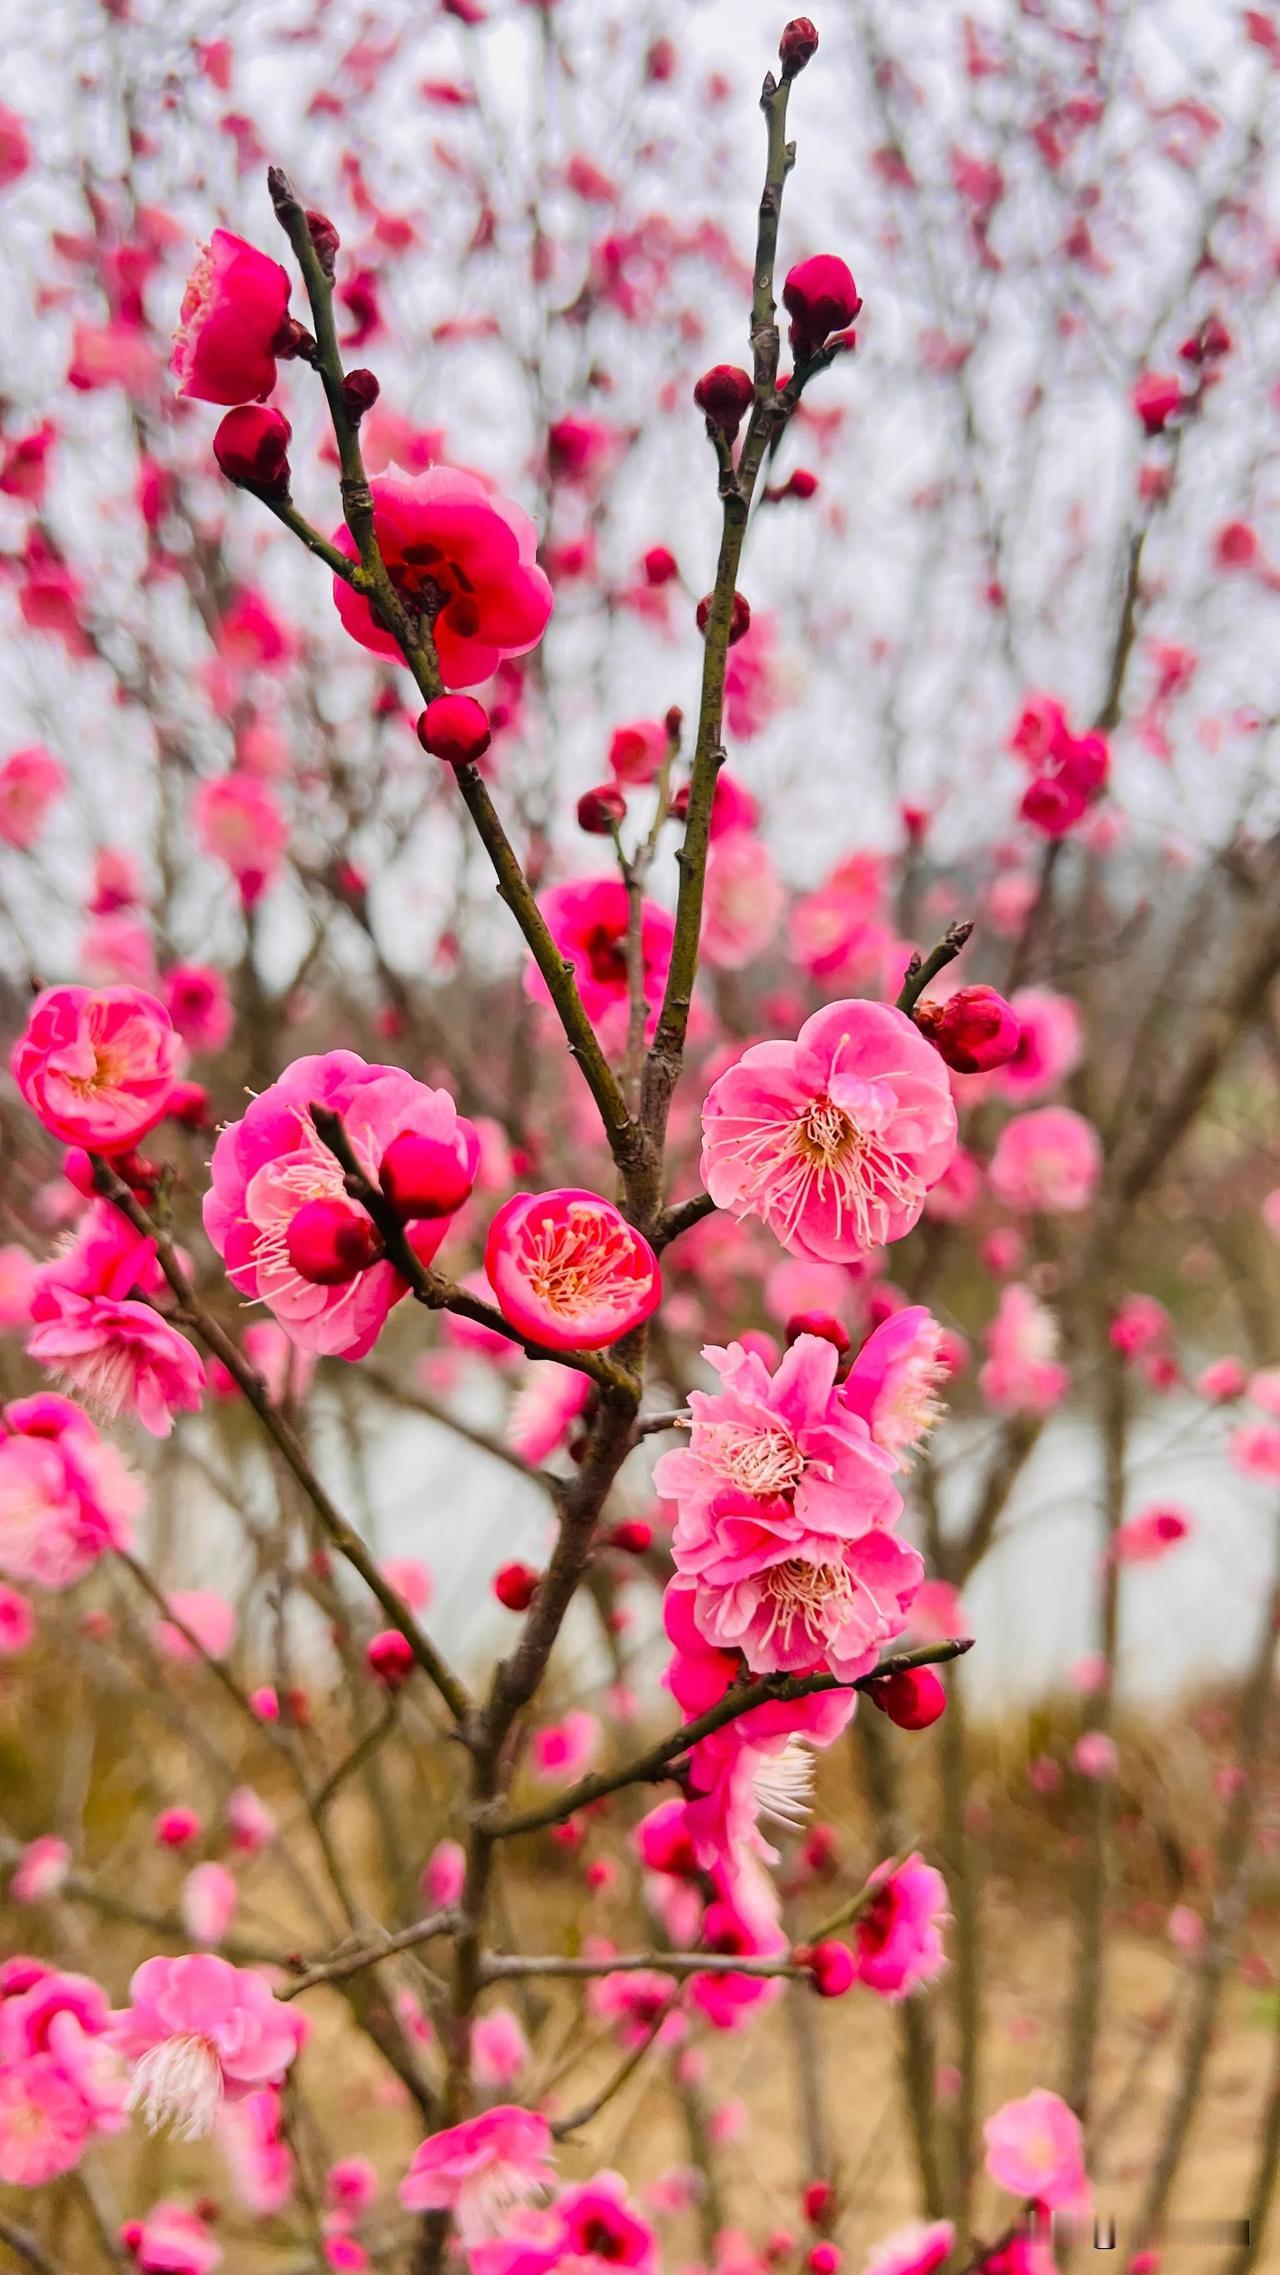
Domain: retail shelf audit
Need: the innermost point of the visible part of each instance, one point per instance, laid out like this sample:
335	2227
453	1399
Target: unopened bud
515	1586
725	393
360	391
797	46
325	238
389	1657
739	623
600	810
252	448
974	1030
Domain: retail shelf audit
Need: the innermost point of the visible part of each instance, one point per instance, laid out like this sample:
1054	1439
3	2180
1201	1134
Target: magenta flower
172	2240
234	316
200	2032
66	1497
269	1165
96	1065
783	1508
463	559
588	921
30	783
1023	1374
1035	2149
122	1356
481	2170
898	1936
1048	1161
569	1271
919	2248
893	1383
833	1140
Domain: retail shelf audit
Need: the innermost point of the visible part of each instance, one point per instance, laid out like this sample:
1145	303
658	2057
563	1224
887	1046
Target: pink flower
260	2160
120	1354
197	2033
566	1748
44	2124
199	1005
728	2000
172	2241
1049	1161
1050	1045
268	1165
15	147
481	2170
1254	1449
1035	2149
893	1383
18	1275
1095	1756
569	1271
917	2249
544	1410
444	1874
40	1871
637	752
351	2184
30	782
833	1140
66	1497
461	558
898	1936
17	1623
234	316
250	1824
499	2050
599	2231
1149	1536
208	1902
238	821
588	921
1022	1373
206	1615
96	1066
743	903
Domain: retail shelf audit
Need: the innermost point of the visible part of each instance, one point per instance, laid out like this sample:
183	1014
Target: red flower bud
1157	397
831	1969
455	728
252	448
674	724
820	297
725	393
633	1536
818	2199
660	565
802	484
797	46
825	2259
740	622
819	1323
329	1241
913	1699
325	238
1208	344
389	1657
515	1586
600	810
974	1030
188	1104
661	61
360	391
425	1176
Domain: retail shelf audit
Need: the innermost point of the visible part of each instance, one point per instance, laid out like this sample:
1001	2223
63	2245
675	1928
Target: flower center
763	1461
822	1157
814	1597
179	2083
571	1267
606	953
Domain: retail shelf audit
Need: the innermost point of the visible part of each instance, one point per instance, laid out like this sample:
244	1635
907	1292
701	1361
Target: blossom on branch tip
835	1139
569	1271
198	2032
234	318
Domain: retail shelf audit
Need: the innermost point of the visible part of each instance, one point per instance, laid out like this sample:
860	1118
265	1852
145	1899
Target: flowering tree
677	1187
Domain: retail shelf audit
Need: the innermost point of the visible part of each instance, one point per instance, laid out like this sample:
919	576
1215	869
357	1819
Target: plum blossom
66	1497
462	558
1049	1160
783	1504
268	1165
92	1326
481	2170
893	1382
743	903
897	1937
96	1066
1035	2149
172	2240
234	313
569	1271
199	2032
31	781
919	2248
1023	1373
835	1139
588	920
